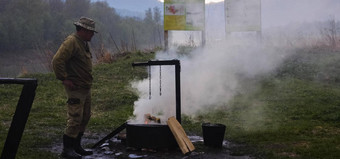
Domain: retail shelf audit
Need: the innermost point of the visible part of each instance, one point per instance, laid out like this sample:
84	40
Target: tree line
27	24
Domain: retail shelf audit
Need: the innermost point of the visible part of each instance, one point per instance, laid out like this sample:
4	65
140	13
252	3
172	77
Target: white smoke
210	76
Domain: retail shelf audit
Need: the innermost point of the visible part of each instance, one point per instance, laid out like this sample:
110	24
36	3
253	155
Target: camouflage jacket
73	61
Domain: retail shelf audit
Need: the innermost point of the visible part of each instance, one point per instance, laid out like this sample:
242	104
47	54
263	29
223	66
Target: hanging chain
160	80
149	74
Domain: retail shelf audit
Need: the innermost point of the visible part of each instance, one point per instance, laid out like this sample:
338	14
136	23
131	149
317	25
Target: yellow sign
184	14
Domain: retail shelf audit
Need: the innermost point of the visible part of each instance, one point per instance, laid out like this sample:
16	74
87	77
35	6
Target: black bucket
213	134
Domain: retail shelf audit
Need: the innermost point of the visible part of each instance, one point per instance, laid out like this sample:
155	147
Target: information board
243	15
184	14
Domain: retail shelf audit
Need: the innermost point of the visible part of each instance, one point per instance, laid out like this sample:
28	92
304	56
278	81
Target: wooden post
203	38
166	40
259	36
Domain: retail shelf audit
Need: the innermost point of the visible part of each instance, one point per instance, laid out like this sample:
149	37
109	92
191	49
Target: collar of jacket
78	37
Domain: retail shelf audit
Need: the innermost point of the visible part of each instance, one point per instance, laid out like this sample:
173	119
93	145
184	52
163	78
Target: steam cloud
210	77
214	74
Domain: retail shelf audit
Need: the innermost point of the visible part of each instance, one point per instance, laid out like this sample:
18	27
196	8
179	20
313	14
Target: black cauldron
153	136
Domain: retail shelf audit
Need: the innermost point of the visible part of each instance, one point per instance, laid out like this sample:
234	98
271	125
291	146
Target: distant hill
133	8
133	5
129	13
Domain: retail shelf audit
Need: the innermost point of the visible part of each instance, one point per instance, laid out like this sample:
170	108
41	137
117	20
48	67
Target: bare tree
157	19
329	32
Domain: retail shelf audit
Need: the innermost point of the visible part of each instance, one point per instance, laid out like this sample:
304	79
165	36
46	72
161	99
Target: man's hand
69	84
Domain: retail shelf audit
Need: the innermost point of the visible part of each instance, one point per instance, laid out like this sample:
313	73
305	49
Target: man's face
88	34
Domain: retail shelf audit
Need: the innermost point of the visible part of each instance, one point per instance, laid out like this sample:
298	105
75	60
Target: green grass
112	100
292	113
289	118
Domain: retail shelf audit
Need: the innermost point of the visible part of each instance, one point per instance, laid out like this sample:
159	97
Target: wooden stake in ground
181	137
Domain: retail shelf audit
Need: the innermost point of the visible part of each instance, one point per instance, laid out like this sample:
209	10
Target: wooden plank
181	137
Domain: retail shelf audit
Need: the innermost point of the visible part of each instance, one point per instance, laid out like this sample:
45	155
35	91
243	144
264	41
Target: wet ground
116	148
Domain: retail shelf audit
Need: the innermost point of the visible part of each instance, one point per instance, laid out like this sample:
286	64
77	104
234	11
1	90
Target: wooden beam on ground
181	137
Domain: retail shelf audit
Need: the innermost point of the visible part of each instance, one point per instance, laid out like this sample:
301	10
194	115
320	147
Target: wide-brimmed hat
86	23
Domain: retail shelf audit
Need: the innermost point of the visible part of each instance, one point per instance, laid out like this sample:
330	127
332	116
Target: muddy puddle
116	148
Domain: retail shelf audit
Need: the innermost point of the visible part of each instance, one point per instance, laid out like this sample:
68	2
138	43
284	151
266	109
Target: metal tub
153	136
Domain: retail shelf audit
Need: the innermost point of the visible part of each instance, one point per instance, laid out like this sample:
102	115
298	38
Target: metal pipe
151	63
20	116
18	81
178	92
177	79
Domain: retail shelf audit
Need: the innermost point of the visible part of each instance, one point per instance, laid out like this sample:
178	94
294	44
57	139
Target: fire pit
154	136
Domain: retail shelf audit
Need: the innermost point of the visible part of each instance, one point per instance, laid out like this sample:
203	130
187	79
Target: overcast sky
282	12
274	12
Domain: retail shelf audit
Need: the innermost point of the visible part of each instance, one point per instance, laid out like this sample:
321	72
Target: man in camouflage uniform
72	64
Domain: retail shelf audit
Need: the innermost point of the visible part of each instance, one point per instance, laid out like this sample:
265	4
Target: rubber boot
68	150
79	149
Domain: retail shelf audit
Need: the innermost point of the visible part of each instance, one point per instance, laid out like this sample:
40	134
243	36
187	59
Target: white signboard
243	15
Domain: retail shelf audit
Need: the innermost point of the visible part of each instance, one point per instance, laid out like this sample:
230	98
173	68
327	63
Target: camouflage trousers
78	111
